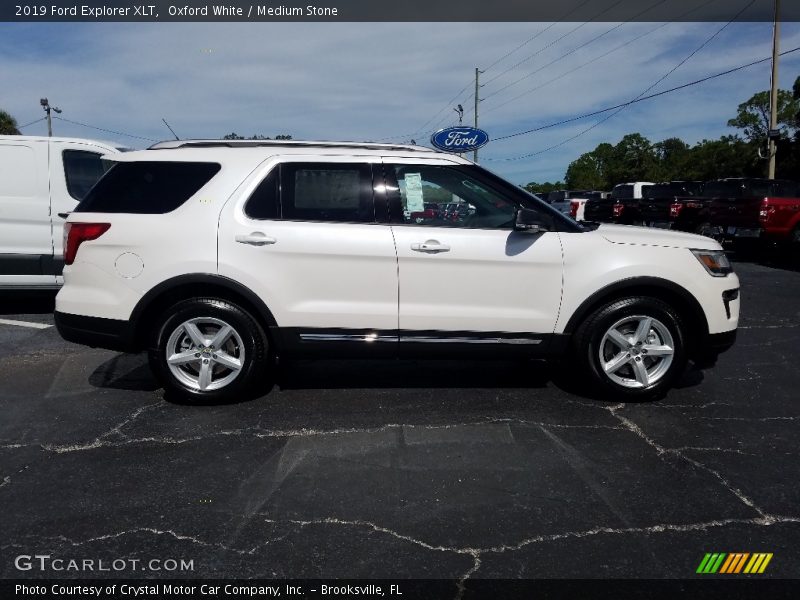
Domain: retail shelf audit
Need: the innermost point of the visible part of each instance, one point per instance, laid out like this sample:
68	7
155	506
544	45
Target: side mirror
529	221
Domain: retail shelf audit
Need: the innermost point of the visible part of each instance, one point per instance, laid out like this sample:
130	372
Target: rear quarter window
82	169
155	187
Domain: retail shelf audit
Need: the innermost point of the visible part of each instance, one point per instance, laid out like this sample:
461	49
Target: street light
47	108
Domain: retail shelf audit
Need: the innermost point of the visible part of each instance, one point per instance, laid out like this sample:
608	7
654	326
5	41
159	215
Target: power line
31	123
662	78
596	58
138	137
464	101
642	99
530	39
551	44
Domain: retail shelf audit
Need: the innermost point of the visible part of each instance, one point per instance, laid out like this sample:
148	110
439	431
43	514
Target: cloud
367	81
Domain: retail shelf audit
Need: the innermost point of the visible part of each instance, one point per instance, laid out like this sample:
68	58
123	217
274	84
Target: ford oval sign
459	139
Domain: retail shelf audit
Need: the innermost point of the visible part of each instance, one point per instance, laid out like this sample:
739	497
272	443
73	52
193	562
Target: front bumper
96	332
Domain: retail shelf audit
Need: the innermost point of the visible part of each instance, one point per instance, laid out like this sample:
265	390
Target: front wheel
208	350
632	349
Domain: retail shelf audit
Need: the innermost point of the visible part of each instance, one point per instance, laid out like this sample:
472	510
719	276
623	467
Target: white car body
423	287
34	189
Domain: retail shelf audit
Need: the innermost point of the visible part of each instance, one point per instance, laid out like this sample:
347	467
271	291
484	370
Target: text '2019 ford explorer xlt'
218	256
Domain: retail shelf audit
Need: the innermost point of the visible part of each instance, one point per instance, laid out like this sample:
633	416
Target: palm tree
8	124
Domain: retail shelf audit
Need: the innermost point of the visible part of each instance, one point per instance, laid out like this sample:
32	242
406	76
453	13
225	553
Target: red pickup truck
747	209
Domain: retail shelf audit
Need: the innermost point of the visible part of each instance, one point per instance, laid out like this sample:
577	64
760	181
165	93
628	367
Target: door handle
256	239
431	247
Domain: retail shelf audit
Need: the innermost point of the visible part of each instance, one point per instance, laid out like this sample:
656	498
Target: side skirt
296	342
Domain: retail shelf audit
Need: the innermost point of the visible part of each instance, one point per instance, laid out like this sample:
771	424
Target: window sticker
414	200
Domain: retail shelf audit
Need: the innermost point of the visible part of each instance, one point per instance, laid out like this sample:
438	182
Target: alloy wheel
205	353
636	351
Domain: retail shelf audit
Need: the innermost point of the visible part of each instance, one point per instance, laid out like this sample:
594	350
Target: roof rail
174	144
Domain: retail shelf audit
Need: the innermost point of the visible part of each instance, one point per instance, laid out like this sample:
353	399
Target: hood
649	236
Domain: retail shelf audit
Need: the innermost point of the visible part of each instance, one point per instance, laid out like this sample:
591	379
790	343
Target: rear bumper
96	332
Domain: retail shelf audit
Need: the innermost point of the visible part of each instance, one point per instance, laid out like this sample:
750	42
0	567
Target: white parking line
25	324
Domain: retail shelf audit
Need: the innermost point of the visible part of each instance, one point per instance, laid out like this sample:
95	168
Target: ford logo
459	139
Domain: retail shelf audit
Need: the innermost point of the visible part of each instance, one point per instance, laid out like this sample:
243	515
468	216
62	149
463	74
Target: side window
760	188
147	187
327	192
449	197
263	203
82	169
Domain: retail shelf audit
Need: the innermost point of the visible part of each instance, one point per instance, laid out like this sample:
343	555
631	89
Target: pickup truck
622	207
561	200
676	205
754	209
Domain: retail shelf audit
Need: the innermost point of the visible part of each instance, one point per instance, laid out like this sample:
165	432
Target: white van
41	177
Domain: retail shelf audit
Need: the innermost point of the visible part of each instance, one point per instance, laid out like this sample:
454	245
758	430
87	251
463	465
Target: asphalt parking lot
461	470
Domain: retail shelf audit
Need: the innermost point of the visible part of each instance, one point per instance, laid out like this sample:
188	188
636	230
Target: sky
389	82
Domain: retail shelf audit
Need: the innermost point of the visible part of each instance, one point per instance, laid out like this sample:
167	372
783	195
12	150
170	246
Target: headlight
715	262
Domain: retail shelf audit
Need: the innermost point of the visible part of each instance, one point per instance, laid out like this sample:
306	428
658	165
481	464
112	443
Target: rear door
472	282
26	245
303	234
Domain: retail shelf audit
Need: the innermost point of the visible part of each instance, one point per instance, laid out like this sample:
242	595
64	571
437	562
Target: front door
467	279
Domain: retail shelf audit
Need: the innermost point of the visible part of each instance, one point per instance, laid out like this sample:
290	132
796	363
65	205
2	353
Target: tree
8	124
673	156
753	116
585	173
634	159
543	188
729	156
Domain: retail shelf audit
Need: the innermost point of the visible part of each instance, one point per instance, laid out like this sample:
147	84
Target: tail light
77	233
573	209
618	209
675	209
765	212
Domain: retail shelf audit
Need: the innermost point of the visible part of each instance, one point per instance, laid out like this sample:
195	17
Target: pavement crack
704	405
153	531
373	527
766	520
5	482
461	585
102	440
661	450
710	449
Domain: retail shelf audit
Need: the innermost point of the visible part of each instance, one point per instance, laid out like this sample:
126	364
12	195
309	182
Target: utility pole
773	97
47	108
477	74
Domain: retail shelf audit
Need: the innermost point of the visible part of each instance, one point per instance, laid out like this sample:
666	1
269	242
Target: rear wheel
209	350
631	349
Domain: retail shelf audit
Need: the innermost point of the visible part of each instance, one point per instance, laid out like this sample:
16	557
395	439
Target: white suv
218	257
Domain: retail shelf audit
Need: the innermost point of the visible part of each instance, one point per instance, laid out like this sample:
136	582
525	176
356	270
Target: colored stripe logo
734	563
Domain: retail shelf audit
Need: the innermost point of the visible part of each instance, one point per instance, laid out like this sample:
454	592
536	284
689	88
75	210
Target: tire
198	372
617	355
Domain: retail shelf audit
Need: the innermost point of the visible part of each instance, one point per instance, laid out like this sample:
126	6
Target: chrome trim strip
339	337
374	337
469	340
